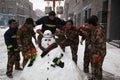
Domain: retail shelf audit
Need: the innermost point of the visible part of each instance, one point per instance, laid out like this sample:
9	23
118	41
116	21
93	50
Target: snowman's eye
45	39
49	39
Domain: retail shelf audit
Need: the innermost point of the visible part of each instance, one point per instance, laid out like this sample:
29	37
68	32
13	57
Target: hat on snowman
47	34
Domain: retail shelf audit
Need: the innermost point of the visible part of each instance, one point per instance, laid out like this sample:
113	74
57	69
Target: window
10	10
3	10
86	14
89	12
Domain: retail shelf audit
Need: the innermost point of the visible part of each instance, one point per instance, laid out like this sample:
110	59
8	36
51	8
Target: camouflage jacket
98	42
24	37
72	35
86	36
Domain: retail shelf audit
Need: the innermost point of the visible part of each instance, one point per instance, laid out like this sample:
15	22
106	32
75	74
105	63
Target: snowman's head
47	34
47	39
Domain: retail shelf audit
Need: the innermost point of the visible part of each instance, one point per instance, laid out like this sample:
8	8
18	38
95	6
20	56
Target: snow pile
42	69
39	70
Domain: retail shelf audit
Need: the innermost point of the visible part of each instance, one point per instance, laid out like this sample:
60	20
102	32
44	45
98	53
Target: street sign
54	3
48	9
59	10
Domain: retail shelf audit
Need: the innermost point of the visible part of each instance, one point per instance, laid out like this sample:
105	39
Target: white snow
42	67
111	63
39	70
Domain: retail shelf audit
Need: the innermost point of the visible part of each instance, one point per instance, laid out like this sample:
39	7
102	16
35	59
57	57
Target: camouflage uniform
87	53
13	51
98	52
60	36
72	40
24	40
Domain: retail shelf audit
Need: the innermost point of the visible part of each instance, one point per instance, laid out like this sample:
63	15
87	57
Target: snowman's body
42	69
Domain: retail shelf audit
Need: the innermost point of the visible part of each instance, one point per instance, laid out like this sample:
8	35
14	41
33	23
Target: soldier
87	38
24	40
12	47
72	39
87	53
98	48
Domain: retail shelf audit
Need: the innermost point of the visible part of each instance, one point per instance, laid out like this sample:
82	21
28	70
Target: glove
32	59
97	58
58	62
83	27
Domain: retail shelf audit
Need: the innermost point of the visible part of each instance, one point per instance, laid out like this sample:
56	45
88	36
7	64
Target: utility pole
54	3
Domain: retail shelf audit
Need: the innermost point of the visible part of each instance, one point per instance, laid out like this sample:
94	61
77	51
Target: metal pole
53	5
108	20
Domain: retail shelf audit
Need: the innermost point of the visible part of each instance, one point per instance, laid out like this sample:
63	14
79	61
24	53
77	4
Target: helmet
47	34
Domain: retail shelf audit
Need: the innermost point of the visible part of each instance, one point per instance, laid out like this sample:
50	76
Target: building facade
108	12
73	10
17	9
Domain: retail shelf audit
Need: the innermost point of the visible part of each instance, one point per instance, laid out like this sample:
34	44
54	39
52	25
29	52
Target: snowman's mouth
48	44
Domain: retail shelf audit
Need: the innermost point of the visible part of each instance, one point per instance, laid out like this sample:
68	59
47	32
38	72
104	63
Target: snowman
52	63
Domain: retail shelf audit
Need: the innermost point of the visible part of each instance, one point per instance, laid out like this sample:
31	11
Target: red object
77	29
97	59
21	27
29	53
97	30
38	30
83	27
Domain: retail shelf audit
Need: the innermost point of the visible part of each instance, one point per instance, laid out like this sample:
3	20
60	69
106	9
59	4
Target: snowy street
111	64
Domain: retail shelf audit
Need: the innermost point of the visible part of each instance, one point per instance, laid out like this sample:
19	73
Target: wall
115	20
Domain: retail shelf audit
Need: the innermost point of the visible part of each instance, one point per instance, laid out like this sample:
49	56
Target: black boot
9	75
19	69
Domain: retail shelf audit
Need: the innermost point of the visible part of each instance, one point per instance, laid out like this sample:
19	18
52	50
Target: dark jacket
10	40
48	24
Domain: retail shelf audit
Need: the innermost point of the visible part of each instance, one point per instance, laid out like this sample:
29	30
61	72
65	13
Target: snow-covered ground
111	62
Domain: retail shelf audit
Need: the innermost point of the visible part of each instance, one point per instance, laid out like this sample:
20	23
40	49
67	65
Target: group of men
20	39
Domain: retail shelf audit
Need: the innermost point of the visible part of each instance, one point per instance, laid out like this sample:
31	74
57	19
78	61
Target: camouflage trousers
74	49
13	58
87	57
25	60
96	66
